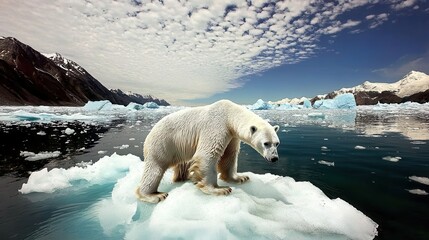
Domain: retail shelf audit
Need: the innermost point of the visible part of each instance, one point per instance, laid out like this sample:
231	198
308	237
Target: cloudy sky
199	51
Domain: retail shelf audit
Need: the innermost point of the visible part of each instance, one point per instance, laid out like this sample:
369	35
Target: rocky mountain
128	97
412	87
28	77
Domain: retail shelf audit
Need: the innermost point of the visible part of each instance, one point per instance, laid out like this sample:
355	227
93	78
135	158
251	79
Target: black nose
274	159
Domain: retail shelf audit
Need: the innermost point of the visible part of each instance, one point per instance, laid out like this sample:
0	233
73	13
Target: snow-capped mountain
31	78
412	87
70	66
412	83
137	98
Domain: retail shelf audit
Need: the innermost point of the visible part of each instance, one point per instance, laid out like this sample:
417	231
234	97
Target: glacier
267	207
343	101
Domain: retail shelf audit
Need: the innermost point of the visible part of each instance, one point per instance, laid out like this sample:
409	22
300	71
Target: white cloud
398	5
377	20
177	50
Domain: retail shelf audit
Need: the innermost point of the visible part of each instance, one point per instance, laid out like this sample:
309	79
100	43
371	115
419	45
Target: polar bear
201	142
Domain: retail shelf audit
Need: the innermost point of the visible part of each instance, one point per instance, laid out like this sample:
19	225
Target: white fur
208	138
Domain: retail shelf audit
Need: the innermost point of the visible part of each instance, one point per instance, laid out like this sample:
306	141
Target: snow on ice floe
266	207
31	156
392	159
422	180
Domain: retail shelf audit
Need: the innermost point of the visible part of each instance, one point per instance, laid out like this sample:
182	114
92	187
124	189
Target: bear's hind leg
148	189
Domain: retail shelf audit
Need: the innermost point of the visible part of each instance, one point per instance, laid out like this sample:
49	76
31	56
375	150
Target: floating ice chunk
316	115
360	147
284	106
343	101
150	105
261	105
324	148
115	107
417	191
323	162
422	180
102	152
31	156
69	131
41	133
418	142
135	106
132	139
307	103
392	159
105	170
97	105
267	207
122	146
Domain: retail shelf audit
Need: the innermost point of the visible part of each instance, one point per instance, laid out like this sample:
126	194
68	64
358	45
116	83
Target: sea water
374	158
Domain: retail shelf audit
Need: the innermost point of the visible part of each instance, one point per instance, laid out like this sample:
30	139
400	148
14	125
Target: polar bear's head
265	141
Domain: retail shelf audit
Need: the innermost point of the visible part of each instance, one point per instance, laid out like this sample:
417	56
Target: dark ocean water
343	153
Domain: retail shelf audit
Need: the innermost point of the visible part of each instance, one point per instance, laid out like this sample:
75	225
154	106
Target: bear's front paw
238	179
215	190
151	198
241	179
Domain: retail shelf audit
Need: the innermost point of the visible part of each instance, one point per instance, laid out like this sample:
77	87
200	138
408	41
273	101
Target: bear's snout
274	159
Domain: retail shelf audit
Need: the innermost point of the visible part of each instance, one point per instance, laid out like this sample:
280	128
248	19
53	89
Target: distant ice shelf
343	101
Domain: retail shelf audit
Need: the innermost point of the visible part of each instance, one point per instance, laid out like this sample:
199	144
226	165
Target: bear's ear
253	129
276	128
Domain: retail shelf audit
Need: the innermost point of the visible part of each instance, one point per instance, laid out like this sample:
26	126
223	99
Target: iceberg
150	105
135	106
307	103
266	207
343	101
97	105
261	105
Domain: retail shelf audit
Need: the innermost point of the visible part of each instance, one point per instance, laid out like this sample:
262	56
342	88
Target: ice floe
360	147
267	207
31	156
323	162
392	159
417	191
422	180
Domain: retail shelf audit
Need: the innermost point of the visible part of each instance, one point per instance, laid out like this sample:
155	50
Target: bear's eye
266	144
276	144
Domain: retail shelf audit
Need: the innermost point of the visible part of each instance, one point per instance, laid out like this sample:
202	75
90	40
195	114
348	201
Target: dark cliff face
125	99
27	77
